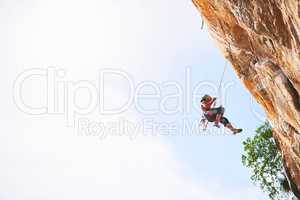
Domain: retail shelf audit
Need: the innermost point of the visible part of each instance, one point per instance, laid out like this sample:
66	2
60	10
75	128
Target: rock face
261	39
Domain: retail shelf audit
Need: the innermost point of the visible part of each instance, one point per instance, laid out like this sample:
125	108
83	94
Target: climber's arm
212	102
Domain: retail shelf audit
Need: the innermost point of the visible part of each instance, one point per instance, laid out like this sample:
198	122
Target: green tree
263	157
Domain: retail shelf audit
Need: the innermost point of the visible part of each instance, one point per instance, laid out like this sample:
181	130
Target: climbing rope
222	77
225	65
202	23
203	122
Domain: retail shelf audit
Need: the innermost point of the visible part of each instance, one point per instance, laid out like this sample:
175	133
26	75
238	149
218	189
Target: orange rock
261	39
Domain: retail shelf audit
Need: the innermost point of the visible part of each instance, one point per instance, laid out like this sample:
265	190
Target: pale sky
153	43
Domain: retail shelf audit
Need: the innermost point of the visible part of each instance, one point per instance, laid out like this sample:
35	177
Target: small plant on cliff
262	156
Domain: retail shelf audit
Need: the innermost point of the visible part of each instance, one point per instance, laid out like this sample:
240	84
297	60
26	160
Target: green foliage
262	156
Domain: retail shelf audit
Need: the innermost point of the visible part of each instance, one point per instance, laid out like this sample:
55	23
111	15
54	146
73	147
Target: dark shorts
211	116
218	110
224	121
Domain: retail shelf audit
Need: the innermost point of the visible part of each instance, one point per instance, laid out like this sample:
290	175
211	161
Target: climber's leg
220	111
218	119
228	125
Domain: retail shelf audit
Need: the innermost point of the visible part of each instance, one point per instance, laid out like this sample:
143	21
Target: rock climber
215	114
